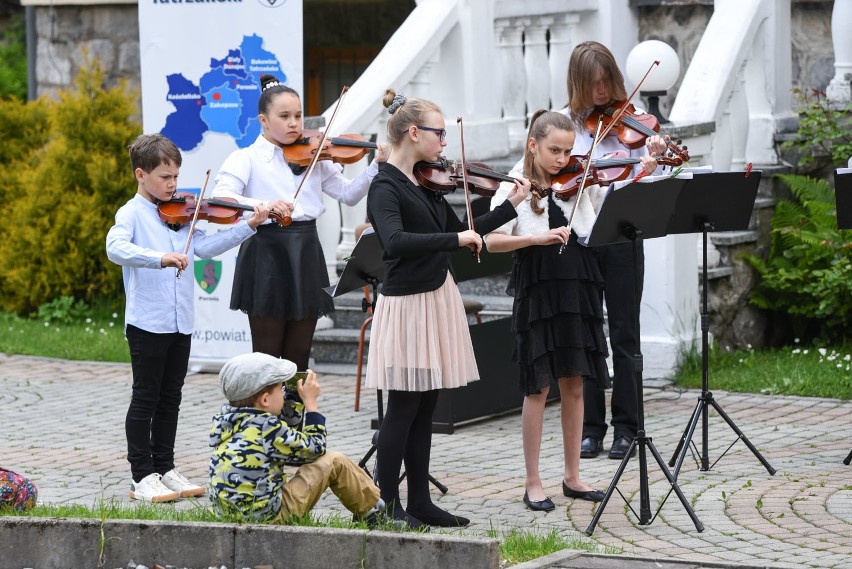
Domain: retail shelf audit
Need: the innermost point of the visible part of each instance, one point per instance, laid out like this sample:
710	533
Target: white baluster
839	90
535	53
721	146
760	147
739	123
562	40
509	37
351	215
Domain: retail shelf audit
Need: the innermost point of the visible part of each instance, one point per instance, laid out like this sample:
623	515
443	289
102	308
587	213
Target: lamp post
661	78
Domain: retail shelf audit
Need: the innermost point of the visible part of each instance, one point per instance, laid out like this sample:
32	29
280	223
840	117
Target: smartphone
290	384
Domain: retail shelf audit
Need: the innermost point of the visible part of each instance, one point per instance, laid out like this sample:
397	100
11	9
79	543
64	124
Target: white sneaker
177	482
151	489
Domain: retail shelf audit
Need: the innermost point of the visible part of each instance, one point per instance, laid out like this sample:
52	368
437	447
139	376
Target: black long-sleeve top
417	230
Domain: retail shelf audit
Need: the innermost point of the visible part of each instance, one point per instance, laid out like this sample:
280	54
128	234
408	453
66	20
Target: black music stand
640	211
365	266
843	196
712	201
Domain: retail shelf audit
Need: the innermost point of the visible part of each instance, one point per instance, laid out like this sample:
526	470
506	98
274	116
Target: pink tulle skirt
420	342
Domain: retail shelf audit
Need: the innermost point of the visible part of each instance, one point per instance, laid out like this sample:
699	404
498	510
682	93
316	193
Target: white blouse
259	173
530	223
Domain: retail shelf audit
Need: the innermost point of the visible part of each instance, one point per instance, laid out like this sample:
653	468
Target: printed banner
201	64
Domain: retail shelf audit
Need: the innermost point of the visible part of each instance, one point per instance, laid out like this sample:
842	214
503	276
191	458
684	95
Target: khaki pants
332	470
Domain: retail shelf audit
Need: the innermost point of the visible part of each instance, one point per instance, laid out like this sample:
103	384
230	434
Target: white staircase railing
496	61
740	78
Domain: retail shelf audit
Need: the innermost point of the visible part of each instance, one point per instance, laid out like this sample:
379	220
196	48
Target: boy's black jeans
159	363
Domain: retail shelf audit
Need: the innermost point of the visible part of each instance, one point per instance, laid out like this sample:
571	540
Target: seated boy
252	444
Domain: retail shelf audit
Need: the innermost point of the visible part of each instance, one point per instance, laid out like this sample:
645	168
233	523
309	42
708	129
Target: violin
182	207
630	127
343	149
612	167
444	176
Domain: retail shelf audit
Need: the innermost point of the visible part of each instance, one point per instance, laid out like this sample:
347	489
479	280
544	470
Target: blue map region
222	110
225	98
184	126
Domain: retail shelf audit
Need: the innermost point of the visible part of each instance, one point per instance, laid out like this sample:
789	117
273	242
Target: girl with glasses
419	341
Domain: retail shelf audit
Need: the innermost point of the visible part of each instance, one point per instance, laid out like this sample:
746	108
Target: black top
418	230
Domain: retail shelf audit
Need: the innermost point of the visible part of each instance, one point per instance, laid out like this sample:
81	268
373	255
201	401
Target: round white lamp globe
663	76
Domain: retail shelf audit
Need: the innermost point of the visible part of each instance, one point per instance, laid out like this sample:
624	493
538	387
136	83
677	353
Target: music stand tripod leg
641	441
705	400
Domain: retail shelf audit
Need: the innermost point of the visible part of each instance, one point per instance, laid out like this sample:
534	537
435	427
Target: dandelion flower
822	351
46	324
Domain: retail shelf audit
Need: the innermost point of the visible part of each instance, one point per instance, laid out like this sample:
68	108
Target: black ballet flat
545	505
590	495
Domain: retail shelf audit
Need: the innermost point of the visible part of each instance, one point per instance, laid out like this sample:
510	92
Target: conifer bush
61	188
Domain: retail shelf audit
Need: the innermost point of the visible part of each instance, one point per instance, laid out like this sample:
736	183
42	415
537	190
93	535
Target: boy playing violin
159	313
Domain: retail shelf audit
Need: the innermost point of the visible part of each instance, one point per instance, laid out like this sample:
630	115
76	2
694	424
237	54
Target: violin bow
623	108
466	188
288	218
583	181
194	219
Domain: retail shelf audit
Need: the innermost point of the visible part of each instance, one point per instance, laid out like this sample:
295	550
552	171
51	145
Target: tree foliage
13	60
62	183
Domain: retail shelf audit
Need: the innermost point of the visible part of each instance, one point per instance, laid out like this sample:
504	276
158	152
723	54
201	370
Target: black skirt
557	316
281	273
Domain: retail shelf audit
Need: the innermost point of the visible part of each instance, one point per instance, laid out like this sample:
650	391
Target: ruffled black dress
557	315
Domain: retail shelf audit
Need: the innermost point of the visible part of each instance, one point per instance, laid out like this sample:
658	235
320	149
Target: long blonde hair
541	123
404	112
586	60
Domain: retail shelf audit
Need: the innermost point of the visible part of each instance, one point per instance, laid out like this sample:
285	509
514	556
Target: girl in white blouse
281	271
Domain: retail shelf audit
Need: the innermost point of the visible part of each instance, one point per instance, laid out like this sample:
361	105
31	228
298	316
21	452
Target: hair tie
398	101
270	85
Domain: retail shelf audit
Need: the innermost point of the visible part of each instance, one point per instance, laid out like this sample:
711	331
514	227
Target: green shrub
824	133
809	270
13	60
61	190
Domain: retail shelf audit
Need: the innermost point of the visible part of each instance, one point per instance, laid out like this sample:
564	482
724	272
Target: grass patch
195	511
97	335
813	371
518	546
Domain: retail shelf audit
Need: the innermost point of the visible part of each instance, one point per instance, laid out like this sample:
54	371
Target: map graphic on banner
225	98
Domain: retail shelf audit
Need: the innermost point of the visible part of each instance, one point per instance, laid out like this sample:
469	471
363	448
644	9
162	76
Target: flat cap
244	375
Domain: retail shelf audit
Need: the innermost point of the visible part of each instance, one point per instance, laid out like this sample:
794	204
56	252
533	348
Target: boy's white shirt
156	300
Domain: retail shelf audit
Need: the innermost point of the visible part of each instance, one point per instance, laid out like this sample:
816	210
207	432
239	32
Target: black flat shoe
619	448
590	447
590	495
545	505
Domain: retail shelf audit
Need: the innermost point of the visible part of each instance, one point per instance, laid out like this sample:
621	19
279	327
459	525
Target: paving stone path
64	428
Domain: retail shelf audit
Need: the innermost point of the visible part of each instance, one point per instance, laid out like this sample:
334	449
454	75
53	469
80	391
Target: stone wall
68	36
682	25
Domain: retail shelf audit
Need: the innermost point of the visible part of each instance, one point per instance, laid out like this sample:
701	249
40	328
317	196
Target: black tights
406	434
289	339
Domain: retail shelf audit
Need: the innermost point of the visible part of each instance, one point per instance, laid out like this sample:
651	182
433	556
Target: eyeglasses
441	132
